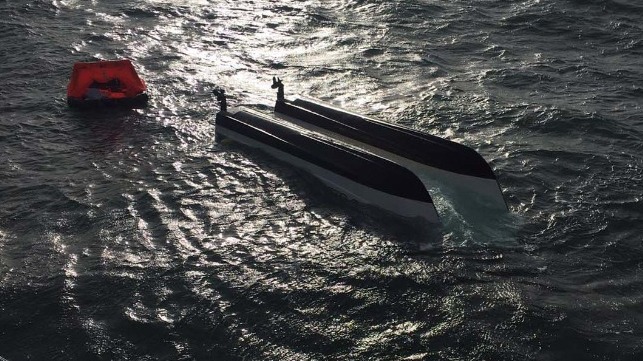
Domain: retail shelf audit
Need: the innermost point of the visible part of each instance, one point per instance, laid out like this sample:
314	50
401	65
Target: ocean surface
134	235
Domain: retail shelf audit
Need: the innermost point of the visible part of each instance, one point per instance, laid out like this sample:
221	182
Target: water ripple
134	235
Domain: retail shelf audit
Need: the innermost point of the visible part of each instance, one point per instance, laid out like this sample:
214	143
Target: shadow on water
105	127
410	232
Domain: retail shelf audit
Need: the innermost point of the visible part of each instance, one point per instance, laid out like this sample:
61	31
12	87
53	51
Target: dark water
132	235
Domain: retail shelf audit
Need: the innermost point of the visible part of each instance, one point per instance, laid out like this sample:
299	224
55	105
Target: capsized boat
426	155
106	83
359	175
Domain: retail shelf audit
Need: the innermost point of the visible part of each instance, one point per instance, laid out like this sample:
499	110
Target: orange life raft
106	83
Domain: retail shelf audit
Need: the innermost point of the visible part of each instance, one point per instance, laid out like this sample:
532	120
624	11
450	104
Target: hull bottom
487	190
403	207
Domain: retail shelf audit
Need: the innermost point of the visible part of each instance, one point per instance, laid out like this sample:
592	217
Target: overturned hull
359	175
426	155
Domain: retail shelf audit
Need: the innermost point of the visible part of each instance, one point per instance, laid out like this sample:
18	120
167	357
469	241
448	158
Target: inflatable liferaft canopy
106	83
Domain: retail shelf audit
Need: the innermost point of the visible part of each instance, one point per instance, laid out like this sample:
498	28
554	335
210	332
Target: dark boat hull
364	177
428	156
